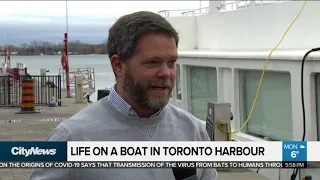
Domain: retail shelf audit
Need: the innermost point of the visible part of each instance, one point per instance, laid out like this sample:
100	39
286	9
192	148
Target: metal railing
175	12
47	90
241	4
222	7
88	75
196	12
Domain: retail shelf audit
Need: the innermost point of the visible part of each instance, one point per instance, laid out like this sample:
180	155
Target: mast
7	58
67	53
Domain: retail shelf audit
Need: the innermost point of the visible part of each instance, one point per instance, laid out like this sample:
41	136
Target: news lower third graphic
119	154
33	151
122	164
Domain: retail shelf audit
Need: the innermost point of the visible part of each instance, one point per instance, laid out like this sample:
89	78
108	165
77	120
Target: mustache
161	83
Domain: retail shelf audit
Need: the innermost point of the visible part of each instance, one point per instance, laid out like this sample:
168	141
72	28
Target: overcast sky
24	21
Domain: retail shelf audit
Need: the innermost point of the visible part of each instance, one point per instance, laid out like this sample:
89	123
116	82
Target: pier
33	127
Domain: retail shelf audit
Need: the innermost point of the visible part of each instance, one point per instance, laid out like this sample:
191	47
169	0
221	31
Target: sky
88	21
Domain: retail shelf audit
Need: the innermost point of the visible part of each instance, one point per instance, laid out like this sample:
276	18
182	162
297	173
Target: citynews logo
32	151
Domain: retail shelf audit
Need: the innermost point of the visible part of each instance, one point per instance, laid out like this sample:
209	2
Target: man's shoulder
78	124
189	122
179	112
68	129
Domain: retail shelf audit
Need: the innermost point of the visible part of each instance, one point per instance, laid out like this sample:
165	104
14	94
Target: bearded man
142	49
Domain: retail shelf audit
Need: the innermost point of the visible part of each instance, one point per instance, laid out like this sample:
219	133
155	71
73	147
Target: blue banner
33	151
294	151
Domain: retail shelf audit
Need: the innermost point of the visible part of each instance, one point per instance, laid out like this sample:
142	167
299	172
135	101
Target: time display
294	165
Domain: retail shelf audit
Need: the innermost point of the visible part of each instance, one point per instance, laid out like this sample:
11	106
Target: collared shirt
119	103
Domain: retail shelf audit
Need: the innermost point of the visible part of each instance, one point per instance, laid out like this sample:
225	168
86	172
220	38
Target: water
103	72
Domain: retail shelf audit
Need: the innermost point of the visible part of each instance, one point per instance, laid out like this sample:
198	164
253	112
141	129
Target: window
318	102
202	88
272	116
178	83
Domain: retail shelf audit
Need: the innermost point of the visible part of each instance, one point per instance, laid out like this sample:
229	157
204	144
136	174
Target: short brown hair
127	30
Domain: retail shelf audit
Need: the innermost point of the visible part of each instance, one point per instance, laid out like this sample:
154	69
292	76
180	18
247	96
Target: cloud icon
302	146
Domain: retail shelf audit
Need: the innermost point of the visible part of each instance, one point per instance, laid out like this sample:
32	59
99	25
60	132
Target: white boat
222	52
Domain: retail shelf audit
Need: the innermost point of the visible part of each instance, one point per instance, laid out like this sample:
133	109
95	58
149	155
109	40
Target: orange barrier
28	97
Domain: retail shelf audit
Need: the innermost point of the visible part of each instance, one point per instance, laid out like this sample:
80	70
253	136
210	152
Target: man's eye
153	62
173	61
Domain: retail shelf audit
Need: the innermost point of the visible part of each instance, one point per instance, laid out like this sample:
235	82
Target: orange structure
28	97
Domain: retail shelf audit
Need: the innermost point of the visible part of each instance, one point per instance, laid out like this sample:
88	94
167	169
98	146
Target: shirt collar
120	104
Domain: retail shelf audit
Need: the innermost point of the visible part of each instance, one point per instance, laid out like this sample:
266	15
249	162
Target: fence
47	89
88	74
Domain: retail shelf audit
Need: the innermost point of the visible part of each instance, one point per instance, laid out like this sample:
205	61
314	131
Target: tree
49	48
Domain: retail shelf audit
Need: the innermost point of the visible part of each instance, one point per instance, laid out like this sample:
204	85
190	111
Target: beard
138	92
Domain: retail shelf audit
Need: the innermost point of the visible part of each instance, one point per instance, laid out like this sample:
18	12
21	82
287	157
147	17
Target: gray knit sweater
101	121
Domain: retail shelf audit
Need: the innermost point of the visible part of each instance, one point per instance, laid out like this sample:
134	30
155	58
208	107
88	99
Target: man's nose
164	71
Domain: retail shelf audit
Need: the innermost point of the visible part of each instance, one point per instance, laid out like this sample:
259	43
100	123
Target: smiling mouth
158	88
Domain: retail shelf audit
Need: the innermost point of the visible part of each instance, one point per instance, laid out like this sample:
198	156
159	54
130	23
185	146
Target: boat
7	69
223	50
10	80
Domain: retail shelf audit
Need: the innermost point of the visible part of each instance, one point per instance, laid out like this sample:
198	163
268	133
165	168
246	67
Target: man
142	49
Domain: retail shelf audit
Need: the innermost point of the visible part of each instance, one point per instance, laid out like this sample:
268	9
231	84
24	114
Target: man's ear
117	65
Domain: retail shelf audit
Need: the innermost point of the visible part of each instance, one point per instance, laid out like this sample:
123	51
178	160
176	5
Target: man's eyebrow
159	58
171	57
152	57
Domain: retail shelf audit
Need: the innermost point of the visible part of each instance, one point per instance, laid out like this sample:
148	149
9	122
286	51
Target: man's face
150	73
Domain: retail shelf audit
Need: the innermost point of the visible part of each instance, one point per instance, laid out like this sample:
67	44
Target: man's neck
141	112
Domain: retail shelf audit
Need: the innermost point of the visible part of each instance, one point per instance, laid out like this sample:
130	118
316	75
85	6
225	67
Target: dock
36	127
32	127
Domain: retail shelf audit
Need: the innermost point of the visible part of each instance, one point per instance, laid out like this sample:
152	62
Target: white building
221	57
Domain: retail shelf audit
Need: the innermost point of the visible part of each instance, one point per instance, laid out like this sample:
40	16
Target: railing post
90	77
43	88
59	90
61	71
9	90
59	87
20	89
79	89
2	90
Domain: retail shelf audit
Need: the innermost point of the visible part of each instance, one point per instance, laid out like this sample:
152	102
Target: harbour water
103	72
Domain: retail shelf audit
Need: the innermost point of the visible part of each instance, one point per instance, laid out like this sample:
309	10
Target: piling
28	97
79	89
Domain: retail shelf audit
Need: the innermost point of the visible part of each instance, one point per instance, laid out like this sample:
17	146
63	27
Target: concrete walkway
35	127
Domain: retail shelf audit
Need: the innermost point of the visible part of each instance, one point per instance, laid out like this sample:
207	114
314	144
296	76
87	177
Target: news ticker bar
155	151
154	165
